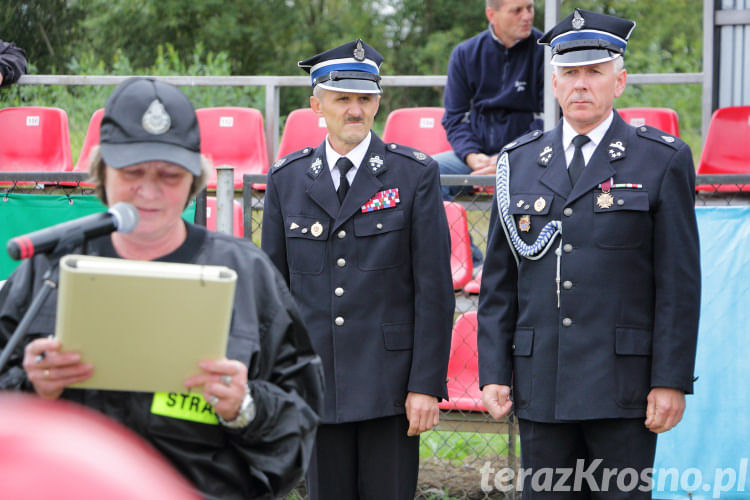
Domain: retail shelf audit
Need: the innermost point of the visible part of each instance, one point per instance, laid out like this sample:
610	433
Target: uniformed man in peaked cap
358	229
590	294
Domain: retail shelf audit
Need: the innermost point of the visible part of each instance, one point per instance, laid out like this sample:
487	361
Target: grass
461	445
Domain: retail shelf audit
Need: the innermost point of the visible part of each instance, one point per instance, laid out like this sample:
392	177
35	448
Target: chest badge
540	204
316	229
616	150
524	223
605	200
376	163
293	226
545	156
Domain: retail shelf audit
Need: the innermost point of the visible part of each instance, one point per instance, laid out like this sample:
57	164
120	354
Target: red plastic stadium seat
474	285
727	147
662	118
233	136
463	368
91	140
237	226
418	128
303	128
34	139
54	449
461	264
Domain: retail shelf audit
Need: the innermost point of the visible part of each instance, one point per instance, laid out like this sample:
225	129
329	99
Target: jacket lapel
366	182
321	190
599	167
555	176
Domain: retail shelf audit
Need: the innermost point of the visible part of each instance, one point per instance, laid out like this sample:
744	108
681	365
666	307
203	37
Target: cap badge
578	20
359	51
156	120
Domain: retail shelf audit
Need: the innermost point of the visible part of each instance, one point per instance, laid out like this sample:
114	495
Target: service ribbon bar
383	199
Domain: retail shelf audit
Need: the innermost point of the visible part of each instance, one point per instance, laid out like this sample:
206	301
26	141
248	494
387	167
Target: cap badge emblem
578	20
359	51
156	120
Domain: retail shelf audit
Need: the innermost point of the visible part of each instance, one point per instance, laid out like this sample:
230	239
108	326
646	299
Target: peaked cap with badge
591	287
586	37
351	67
150	120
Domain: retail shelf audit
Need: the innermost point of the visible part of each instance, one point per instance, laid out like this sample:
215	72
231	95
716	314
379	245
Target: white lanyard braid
546	236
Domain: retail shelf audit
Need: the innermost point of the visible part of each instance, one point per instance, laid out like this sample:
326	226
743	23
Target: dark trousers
372	459
625	447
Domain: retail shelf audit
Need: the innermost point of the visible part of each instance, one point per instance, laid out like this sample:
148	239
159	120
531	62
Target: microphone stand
74	239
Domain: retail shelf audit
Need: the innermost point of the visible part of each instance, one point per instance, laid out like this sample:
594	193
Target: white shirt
587	149
355	156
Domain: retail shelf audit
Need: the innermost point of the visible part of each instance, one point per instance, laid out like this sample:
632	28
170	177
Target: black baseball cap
149	120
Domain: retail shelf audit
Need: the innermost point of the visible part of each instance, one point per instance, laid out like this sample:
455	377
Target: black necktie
577	164
343	164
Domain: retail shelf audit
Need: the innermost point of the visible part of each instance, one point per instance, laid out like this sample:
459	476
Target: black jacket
629	278
12	62
384	274
268	457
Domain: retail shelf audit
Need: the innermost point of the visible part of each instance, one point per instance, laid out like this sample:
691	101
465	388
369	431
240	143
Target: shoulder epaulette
659	136
281	162
409	152
524	139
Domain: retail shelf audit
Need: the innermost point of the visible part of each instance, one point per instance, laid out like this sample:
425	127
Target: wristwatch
244	416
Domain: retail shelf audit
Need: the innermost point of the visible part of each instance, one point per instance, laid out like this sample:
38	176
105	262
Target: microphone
122	217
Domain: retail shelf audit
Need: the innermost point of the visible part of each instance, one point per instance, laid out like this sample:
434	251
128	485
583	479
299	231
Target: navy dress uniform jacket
629	279
374	288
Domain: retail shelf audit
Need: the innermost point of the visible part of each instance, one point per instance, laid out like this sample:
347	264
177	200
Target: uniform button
379	225
392	146
568	212
339	292
567	248
567	321
567	285
304	230
341	262
621	202
514	347
339	321
342	234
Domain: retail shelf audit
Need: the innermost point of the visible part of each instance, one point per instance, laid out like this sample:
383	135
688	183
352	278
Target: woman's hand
224	382
51	371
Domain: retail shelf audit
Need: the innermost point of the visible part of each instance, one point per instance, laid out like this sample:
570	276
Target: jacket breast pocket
523	348
632	365
306	239
530	213
382	241
622	222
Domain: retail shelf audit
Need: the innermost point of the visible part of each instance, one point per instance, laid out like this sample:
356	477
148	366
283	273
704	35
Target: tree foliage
268	37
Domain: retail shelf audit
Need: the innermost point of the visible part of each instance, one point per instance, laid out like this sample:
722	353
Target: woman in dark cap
265	393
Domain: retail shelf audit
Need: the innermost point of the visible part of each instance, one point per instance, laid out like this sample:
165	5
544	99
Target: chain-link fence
459	459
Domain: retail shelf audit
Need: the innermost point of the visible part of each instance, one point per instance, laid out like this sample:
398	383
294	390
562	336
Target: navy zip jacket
492	93
12	62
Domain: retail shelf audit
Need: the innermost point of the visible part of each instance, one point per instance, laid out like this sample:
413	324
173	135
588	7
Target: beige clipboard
144	326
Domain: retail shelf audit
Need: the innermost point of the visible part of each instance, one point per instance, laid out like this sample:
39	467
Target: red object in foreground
58	450
463	367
